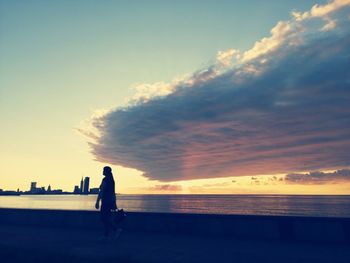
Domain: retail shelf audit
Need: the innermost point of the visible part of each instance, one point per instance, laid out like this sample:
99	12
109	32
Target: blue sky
62	60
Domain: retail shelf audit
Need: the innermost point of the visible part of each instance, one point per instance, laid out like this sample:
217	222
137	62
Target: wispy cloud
319	177
165	188
280	107
322	11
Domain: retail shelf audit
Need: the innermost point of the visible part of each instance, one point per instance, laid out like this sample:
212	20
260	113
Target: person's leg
109	221
115	228
106	228
112	224
105	219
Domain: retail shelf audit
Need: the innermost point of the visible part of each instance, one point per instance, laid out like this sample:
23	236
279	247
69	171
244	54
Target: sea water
289	205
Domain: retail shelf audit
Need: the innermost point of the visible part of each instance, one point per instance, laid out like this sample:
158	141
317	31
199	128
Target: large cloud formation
281	107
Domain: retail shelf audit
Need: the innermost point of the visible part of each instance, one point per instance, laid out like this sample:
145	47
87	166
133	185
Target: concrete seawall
310	229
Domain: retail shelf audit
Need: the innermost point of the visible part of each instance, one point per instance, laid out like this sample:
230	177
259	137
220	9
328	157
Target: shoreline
93	210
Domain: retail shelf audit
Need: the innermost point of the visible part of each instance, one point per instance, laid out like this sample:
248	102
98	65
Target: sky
218	97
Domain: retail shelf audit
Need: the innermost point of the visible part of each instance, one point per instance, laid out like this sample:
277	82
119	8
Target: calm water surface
330	206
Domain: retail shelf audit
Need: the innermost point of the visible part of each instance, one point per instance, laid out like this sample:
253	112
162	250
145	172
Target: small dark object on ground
119	216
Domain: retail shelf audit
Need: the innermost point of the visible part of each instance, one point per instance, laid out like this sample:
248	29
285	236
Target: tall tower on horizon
86	185
81	185
32	186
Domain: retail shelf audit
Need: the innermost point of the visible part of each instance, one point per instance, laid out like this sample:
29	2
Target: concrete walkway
28	244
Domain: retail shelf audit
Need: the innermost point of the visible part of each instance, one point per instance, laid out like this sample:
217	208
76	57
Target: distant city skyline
35	189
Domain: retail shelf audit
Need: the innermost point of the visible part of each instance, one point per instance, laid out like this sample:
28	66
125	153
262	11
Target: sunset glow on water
329	206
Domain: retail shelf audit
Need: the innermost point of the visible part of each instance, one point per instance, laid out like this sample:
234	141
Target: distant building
81	185
76	190
86	185
49	188
94	190
36	190
32	187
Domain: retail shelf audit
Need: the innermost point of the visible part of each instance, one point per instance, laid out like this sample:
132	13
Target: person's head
107	171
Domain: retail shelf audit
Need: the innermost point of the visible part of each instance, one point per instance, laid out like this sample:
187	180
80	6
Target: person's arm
99	196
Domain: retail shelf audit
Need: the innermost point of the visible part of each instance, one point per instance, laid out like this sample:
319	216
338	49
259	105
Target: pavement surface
29	244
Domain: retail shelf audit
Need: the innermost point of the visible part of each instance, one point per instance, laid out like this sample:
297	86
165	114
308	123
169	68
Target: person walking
108	201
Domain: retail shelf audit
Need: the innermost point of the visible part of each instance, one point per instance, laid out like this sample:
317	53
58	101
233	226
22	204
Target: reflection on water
333	206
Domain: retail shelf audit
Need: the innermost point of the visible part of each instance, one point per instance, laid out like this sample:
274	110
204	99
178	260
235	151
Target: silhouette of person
107	196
